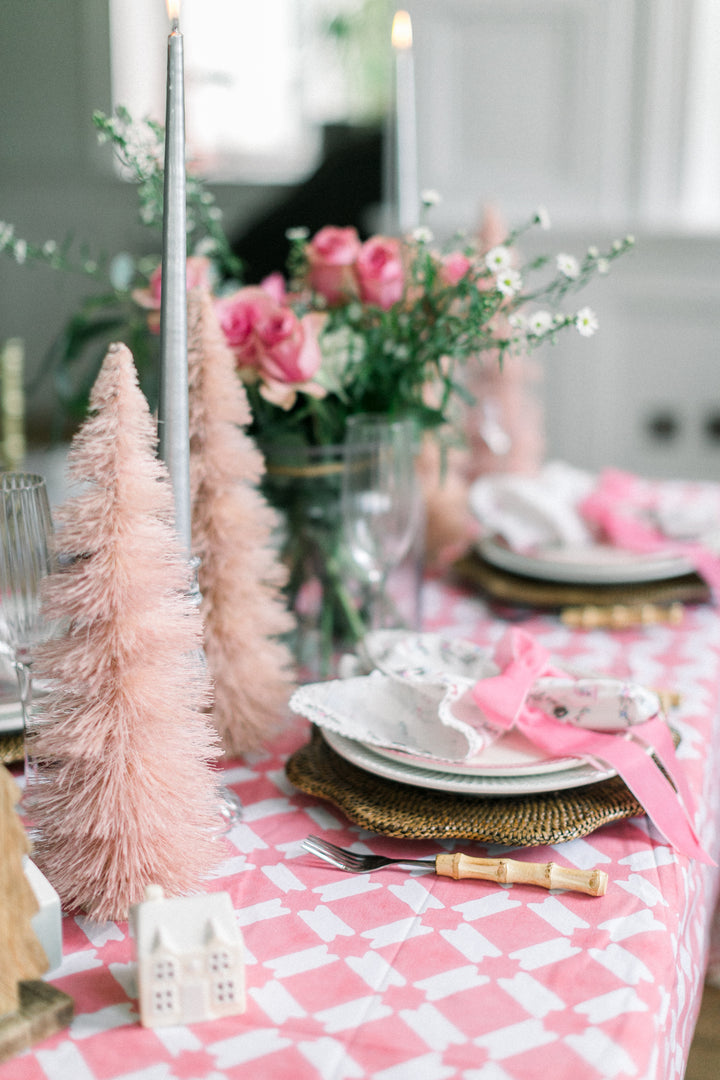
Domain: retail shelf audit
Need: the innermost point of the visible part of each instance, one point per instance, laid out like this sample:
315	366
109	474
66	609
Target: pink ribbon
666	799
613	508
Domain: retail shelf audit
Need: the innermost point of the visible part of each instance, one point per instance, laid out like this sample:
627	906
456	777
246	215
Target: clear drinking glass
26	557
381	502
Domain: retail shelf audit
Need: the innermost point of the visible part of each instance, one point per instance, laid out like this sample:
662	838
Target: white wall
608	113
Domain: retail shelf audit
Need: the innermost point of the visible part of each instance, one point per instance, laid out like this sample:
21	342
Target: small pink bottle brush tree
125	793
240	576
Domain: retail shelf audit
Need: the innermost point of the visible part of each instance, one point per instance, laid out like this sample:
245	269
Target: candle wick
175	26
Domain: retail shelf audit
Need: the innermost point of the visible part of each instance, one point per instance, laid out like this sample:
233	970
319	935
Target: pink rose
331	257
380	271
199	275
288	347
274	285
453	267
239	314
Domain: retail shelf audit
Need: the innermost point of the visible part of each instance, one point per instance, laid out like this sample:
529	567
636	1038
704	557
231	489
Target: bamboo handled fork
502	871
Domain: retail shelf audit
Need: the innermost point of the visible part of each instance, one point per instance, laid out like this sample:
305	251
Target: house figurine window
190	958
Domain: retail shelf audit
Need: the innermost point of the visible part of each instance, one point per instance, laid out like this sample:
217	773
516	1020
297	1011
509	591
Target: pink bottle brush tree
240	576
125	793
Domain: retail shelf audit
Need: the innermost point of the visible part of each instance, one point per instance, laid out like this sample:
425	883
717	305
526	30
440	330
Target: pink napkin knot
616	507
632	751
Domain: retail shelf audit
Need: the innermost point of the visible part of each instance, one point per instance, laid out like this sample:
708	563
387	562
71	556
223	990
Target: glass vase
326	590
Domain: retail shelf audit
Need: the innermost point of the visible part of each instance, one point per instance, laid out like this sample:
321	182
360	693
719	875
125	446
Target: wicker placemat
516	589
402	810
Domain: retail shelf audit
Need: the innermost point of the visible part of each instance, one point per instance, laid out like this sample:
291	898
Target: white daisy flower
540	323
498	258
6	233
586	322
593	252
568	265
603	266
542	218
422	235
518	321
430	197
509	282
297	233
20	251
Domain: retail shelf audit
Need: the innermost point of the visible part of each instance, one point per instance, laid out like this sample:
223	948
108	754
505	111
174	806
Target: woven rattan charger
402	810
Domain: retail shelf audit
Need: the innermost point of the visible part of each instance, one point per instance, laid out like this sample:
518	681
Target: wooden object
21	954
43	1010
621	616
511	871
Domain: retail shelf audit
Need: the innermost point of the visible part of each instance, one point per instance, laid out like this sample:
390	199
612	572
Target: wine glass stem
24	680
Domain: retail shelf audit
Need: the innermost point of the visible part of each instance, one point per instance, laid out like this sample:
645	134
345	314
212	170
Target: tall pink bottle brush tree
240	576
126	793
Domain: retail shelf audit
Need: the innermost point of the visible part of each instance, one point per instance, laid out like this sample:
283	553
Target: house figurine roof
190	957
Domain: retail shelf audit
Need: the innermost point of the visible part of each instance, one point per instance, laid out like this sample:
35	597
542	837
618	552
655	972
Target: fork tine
331	852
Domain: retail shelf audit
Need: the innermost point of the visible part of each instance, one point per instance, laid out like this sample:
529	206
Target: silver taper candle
173	415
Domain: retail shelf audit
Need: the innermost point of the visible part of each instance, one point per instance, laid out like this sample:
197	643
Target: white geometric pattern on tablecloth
426	1067
323	922
492	904
611	1005
63	1061
649	858
250	1046
351	1014
243	838
98	934
515	1039
330	1060
283	878
595	1048
532	995
543	953
430	1025
581	853
301	962
177	1039
342	887
262	912
415	895
639	922
643	889
438	987
556	914
470	944
112	1016
276	1002
623	963
236	864
396	932
375	970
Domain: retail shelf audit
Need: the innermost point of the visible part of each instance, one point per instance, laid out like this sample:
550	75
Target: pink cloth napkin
665	798
622	506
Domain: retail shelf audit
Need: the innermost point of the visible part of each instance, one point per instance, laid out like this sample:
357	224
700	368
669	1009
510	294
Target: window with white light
260	78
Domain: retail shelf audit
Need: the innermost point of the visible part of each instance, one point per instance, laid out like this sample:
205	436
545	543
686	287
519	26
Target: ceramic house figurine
190	962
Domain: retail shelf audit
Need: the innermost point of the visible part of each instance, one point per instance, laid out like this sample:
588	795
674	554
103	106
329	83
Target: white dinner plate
366	757
596	564
511	755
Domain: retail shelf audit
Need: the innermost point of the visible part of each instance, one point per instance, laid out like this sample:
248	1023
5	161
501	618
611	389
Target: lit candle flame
402	31
173	10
